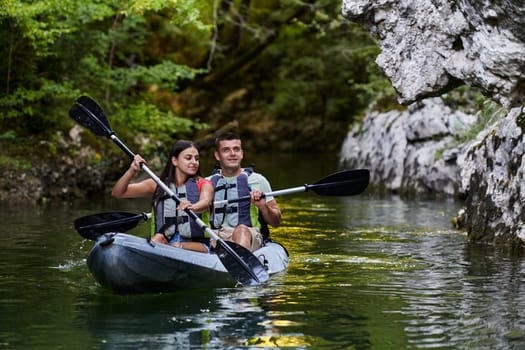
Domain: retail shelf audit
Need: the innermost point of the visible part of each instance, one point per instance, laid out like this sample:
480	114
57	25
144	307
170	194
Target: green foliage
489	113
165	75
144	119
377	92
9	135
7	162
467	99
302	65
299	62
36	24
470	100
55	50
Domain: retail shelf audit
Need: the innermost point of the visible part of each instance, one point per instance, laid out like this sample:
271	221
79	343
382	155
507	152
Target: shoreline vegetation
166	72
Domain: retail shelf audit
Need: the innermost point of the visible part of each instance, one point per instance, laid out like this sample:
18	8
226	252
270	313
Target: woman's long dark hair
168	174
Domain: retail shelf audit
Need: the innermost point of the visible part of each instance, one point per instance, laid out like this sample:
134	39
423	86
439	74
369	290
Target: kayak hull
129	264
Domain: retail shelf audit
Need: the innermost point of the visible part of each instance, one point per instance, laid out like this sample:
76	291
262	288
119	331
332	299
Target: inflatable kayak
129	264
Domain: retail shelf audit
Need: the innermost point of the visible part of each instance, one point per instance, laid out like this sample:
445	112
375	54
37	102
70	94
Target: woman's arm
123	188
205	198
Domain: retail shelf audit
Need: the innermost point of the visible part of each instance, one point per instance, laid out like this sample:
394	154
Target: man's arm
270	212
267	206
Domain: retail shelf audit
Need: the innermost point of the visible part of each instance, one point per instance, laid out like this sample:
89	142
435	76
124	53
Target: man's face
229	154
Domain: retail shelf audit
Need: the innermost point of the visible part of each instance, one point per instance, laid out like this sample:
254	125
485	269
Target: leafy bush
54	51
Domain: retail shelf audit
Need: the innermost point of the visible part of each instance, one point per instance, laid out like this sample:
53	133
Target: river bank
77	169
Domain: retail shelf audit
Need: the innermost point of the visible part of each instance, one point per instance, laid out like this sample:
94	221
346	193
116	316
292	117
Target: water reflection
191	319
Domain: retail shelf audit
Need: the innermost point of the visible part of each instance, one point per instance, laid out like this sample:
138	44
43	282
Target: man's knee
242	231
159	238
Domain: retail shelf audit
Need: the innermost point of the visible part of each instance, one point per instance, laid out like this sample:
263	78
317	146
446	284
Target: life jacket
169	220
233	214
236	213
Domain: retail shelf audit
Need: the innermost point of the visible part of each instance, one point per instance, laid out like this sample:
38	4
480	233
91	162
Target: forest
288	75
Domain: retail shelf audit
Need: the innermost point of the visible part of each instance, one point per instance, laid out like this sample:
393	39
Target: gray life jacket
169	220
237	213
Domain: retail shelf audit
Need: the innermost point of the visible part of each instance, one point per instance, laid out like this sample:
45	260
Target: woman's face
187	162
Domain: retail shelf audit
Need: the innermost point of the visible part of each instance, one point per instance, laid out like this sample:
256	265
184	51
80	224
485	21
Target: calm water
365	273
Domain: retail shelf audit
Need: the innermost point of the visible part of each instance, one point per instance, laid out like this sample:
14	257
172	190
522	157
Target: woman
181	174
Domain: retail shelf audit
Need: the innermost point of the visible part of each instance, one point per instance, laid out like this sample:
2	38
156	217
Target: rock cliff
427	49
431	46
412	151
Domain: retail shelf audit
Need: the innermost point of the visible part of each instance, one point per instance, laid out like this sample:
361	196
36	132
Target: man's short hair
226	136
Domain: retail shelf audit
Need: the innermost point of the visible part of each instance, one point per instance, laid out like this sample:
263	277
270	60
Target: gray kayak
129	264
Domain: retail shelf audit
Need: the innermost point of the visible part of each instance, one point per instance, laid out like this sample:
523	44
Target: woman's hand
184	204
136	164
123	188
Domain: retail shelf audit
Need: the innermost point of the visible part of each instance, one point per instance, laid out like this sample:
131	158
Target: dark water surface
365	273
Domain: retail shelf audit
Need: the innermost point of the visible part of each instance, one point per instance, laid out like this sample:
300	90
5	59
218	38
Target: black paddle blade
94	226
88	113
244	267
342	183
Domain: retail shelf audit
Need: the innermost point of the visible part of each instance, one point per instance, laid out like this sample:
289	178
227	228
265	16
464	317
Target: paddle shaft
273	193
94	226
291	190
101	225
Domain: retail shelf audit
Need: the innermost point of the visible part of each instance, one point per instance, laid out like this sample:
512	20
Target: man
244	222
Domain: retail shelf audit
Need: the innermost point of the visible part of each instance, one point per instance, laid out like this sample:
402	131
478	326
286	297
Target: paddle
342	183
95	225
244	267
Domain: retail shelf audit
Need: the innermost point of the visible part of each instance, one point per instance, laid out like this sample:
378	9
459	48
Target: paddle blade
244	267
94	226
88	113
342	183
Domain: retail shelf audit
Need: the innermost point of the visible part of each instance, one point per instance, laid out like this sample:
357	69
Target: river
365	272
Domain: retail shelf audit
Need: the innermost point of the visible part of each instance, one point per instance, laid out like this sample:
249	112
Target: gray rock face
493	177
431	46
401	149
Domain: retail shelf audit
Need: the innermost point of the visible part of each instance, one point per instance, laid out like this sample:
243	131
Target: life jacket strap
226	210
225	186
175	220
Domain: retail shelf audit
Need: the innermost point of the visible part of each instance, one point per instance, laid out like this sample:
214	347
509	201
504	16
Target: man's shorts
226	234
